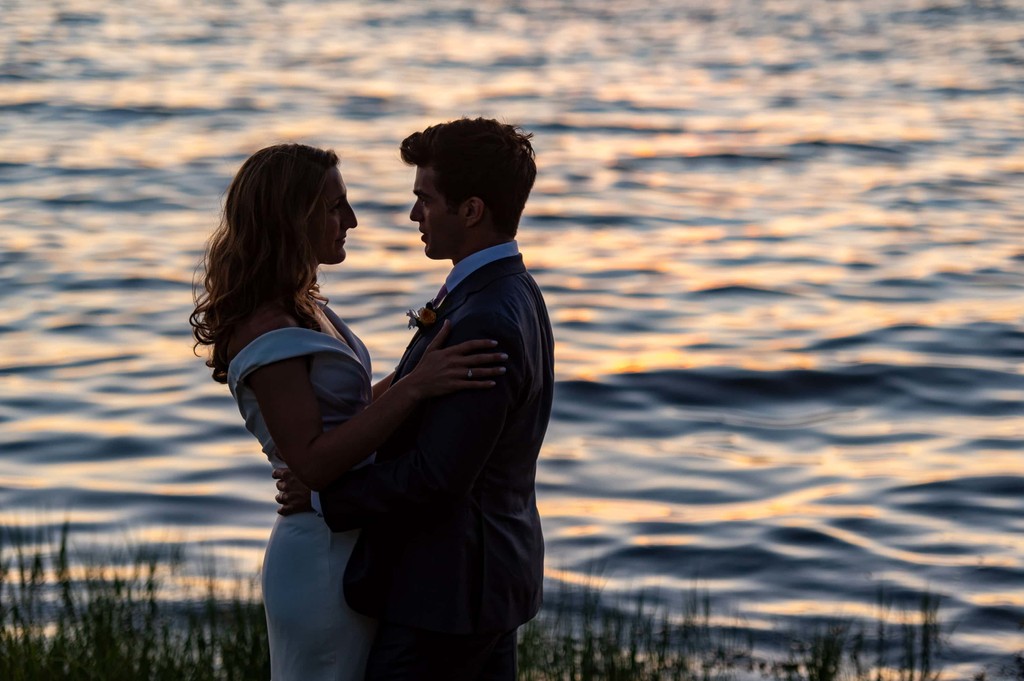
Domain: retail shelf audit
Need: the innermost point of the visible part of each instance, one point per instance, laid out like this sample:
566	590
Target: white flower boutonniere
422	319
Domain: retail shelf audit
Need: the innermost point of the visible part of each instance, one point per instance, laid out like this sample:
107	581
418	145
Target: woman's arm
381	386
292	414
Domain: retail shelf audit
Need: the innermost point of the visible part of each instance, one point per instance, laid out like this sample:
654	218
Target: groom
450	559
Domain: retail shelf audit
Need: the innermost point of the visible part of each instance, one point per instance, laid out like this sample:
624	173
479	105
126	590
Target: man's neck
483	247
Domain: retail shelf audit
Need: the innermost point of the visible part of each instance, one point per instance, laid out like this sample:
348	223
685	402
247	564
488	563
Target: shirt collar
475	261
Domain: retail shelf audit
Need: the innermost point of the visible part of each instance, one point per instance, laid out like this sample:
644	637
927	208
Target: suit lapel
457	298
478	280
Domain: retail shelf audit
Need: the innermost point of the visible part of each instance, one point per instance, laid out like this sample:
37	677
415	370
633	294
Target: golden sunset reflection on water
780	244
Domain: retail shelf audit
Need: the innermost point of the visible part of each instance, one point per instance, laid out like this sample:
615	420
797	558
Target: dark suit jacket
451	537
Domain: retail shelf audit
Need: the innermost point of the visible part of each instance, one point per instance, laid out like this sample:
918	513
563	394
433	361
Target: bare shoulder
266	318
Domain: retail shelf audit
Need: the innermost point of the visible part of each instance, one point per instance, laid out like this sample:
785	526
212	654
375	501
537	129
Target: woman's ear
472	210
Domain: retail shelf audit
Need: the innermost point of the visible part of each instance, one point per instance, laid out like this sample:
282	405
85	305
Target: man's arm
458	434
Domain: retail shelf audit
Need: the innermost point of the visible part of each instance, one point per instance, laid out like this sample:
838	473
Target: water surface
780	240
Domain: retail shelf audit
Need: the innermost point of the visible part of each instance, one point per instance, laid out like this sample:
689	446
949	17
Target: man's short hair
478	157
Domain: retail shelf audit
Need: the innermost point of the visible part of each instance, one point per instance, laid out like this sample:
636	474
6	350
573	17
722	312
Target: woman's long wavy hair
264	249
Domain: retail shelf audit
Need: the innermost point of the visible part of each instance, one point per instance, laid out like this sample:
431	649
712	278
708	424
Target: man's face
444	232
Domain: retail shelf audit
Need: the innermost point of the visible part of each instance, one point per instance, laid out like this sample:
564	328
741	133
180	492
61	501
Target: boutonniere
424	318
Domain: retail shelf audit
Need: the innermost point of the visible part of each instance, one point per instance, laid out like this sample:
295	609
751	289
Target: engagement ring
469	373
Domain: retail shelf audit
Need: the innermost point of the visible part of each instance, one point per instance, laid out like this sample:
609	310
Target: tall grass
582	639
67	619
134	616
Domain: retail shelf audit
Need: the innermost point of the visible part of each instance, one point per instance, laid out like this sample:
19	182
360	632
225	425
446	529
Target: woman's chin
335	258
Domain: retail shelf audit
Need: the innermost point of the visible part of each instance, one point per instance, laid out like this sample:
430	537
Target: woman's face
339	218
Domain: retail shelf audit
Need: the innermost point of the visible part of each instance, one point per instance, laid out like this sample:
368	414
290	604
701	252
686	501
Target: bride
301	379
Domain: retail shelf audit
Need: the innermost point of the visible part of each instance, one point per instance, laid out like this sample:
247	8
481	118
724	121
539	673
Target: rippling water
781	241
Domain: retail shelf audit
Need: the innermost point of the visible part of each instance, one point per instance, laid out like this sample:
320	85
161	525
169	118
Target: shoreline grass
136	616
62	618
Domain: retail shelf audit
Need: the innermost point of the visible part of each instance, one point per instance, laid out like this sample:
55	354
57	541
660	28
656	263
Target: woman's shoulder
264	319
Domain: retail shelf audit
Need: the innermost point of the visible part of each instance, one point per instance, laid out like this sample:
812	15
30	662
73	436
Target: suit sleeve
458	434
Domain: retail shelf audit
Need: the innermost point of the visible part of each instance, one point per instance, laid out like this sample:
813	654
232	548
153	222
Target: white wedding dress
314	635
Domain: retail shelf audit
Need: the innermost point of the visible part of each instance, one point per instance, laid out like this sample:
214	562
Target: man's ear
472	210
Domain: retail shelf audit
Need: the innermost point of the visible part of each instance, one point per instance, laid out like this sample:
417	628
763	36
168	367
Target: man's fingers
290	496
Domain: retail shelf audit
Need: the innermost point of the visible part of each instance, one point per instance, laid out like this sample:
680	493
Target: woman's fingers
466	364
483	372
467	347
483	358
476	377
